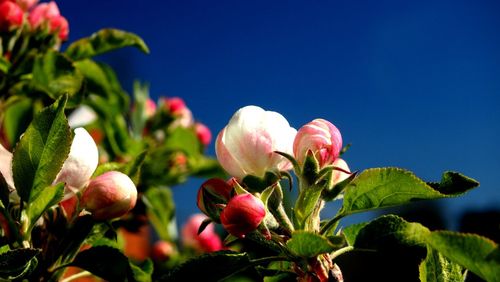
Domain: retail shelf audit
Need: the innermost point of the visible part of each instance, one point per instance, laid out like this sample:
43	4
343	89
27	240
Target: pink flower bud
175	105
59	25
42	13
109	195
11	15
339	176
242	214
247	144
81	162
150	108
203	133
322	138
206	241
162	251
211	195
26	4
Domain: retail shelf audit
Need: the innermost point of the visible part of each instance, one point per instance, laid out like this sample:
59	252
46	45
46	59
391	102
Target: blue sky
409	84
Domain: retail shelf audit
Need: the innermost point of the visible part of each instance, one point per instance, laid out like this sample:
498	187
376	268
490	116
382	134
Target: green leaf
213	267
50	196
133	168
4	65
478	254
55	75
105	40
308	244
160	208
19	263
183	139
41	152
109	264
437	268
142	272
352	231
384	187
17	117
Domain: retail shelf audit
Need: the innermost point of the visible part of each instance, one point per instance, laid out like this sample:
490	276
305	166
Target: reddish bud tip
243	214
203	133
11	15
162	251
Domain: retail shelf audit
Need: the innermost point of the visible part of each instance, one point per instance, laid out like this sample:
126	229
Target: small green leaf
160	208
106	262
50	196
308	244
142	272
212	267
133	168
17	117
55	75
41	152
4	65
183	139
478	254
18	263
384	187
105	40
437	268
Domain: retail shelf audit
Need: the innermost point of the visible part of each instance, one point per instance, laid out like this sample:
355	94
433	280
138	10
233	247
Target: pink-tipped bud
26	4
246	145
213	193
203	133
81	162
322	138
175	105
206	241
11	15
59	25
243	214
109	195
42	13
149	108
6	166
162	251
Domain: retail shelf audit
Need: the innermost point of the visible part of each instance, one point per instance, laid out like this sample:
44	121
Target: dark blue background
413	85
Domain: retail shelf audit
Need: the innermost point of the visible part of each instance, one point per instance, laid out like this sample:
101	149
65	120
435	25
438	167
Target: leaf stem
341	251
330	224
76	276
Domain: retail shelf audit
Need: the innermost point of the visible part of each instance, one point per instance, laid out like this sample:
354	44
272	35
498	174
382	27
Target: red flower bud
11	15
211	195
175	105
162	251
109	195
59	25
26	4
203	133
243	214
206	241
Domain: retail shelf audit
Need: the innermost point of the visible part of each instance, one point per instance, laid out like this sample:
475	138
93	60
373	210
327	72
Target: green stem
76	276
341	251
268	259
278	210
331	224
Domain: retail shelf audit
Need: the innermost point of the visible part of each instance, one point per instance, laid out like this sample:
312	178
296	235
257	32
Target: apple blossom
81	162
11	15
203	133
175	105
246	145
149	108
322	138
242	214
109	195
206	241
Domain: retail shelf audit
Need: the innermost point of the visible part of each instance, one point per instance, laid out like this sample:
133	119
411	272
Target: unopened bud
213	193
81	162
203	133
109	195
162	251
206	241
26	4
59	25
11	15
242	214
